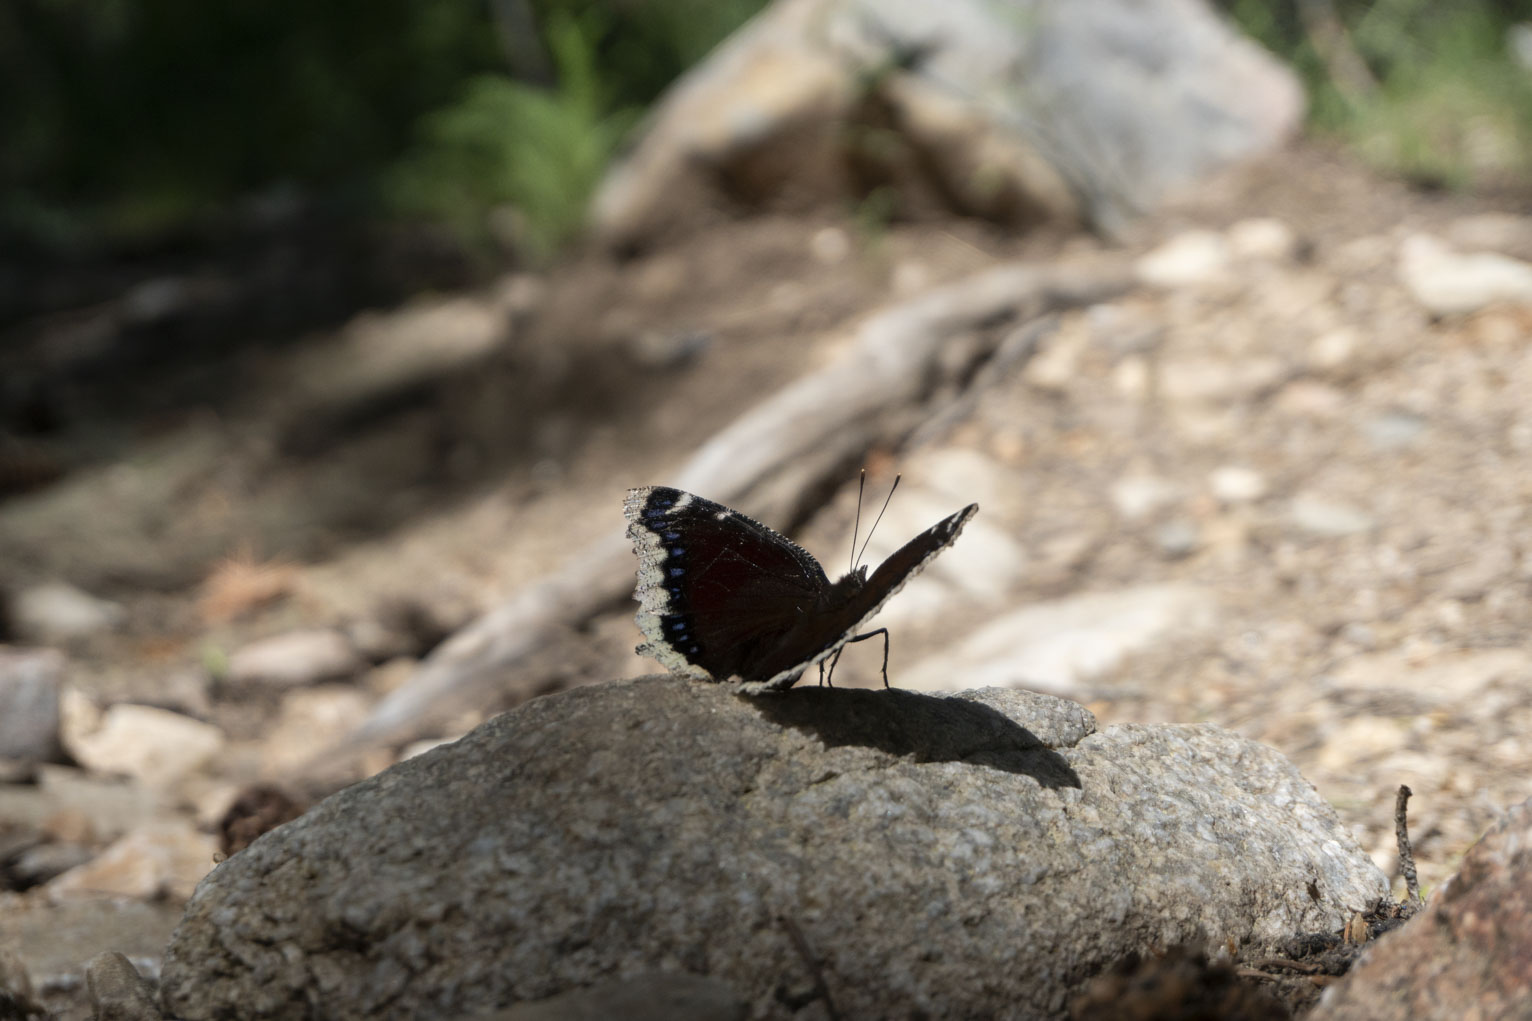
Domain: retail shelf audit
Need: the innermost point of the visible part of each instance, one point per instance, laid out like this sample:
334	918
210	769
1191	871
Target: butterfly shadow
918	726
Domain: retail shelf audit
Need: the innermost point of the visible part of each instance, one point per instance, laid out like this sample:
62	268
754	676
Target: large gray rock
972	855
1010	110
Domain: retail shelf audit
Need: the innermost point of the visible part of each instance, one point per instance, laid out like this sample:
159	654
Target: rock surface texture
897	853
1468	954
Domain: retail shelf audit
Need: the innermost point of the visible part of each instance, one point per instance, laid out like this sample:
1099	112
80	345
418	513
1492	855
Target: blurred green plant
537	151
122	119
1429	90
127	121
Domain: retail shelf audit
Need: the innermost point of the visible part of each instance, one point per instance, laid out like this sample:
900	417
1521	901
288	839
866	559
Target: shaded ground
1372	598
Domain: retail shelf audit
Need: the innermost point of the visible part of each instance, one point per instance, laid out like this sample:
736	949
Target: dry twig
1406	856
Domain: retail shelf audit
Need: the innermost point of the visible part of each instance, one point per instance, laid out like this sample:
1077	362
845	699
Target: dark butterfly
724	598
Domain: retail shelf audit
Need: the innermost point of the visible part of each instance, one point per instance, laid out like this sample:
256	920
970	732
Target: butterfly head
845	588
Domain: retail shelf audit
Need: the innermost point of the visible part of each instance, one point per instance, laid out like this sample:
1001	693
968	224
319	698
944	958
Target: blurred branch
906	364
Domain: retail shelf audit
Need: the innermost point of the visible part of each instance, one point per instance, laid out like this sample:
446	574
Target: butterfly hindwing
715	588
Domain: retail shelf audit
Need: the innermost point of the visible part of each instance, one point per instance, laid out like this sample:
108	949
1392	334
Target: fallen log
902	368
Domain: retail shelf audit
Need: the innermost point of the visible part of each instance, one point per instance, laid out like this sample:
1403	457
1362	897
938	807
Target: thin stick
874	527
1406	858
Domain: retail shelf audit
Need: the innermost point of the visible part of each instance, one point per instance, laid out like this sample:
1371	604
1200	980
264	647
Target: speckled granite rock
662	996
1468	954
975	854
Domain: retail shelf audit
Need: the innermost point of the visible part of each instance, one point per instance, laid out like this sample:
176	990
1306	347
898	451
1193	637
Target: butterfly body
724	598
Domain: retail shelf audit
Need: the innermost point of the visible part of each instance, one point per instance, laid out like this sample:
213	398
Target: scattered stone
1218	380
30	683
1195	257
70	826
1393	430
1335	351
63	797
1263	237
1132	377
155	746
1311	399
39	864
296	659
1505	233
387	677
1232	483
1467	954
1328	519
1446	282
830	245
1473	579
311	719
376	642
165	859
1360	740
661	996
56	612
1056	365
666	350
1440	681
1138	496
727	834
118	992
1177	538
185	691
1124	330
1059	646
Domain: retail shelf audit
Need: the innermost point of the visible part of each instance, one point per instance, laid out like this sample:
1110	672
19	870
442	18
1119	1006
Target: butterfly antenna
860	486
874	527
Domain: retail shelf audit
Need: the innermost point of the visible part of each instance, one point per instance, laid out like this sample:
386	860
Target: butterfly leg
861	638
833	660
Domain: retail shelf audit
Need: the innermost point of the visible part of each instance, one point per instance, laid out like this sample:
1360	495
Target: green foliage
134	114
122	120
539	151
1454	109
1451	106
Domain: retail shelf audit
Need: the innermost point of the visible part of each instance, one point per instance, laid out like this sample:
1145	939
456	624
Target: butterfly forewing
716	589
